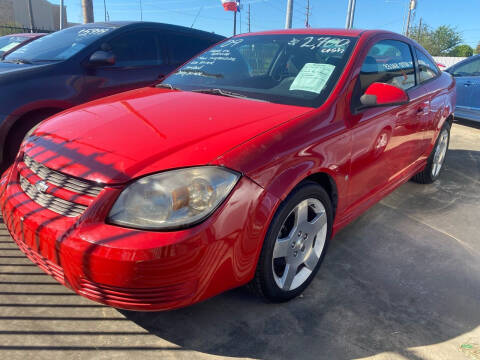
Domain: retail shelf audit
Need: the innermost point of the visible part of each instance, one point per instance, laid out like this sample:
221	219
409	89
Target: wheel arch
14	122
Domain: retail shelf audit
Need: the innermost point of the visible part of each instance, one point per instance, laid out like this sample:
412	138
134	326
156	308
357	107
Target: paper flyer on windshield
313	77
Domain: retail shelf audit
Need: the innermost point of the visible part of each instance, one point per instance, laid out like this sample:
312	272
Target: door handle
422	108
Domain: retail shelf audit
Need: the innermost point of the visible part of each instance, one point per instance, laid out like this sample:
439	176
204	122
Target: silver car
467	74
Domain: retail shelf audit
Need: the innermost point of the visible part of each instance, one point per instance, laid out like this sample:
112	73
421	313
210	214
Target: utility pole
411	7
87	7
350	14
307	15
288	20
61	14
249	29
30	15
420	31
141	11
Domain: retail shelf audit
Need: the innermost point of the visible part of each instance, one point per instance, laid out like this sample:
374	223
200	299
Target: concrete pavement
401	282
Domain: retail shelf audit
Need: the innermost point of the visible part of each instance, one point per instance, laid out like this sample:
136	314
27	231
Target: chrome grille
61	180
60	206
72	207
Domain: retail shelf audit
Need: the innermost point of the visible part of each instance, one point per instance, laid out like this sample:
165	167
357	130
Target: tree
478	48
437	42
461	50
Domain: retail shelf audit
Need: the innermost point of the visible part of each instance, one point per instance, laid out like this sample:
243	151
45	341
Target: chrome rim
299	244
440	151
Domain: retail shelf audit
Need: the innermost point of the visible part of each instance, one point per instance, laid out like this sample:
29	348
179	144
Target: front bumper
141	270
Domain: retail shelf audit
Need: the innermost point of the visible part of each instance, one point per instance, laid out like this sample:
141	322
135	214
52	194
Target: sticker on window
313	77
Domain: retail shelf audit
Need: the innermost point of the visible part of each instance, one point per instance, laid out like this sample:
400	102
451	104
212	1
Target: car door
380	135
431	106
467	76
140	60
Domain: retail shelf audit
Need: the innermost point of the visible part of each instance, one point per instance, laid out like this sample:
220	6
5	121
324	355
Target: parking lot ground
401	282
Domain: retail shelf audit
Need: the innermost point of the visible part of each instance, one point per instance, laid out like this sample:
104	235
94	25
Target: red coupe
237	169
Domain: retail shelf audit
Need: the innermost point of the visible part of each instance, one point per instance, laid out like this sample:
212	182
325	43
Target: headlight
173	199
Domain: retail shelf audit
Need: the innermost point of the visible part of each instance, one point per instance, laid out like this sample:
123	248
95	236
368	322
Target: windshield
287	69
9	42
60	45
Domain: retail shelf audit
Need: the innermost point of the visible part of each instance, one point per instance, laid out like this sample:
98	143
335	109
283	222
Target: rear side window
137	48
471	68
426	68
184	47
389	62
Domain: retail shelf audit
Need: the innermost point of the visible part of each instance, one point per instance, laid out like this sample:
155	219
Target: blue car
83	63
467	75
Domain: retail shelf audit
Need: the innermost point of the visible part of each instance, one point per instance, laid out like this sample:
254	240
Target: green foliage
438	42
461	50
477	51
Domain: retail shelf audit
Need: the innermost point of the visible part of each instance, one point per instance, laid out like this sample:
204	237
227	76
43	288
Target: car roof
314	31
324	31
171	27
27	35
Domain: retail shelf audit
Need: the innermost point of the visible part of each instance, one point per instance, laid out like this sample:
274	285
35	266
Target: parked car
467	76
10	43
83	63
238	168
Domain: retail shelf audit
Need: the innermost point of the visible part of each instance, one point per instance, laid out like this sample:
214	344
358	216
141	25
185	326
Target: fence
448	60
7	29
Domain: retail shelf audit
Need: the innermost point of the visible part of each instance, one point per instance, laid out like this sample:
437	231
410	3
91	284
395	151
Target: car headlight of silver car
173	199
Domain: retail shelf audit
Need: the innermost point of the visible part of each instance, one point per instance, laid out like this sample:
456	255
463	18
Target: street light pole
30	15
288	20
350	14
61	14
105	9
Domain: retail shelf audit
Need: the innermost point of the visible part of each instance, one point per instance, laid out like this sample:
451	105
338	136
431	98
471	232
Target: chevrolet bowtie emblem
41	186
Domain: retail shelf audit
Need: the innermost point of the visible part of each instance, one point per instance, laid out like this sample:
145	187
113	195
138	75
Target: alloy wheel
299	244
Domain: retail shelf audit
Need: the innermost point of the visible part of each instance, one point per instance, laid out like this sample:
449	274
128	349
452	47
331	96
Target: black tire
428	175
17	134
263	283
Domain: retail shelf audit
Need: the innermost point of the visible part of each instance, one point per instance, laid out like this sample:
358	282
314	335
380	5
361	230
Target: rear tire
295	244
436	159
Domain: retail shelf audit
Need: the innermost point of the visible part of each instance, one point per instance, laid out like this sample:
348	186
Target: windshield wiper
18	61
222	92
198	73
166	86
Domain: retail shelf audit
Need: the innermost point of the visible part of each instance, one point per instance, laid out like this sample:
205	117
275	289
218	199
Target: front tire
436	159
295	244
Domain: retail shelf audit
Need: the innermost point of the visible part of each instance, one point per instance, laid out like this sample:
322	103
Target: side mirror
101	58
380	94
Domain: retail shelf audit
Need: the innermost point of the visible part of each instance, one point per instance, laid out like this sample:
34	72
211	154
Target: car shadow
397	277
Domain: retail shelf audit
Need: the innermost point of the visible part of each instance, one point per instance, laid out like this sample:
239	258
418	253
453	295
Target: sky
209	15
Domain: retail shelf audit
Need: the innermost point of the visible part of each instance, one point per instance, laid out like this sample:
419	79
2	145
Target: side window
184	47
471	68
427	69
389	62
136	48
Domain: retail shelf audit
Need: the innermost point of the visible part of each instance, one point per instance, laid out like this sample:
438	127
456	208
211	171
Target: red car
10	43
237	169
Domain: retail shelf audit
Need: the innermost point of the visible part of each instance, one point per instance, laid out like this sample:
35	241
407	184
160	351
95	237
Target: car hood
125	136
